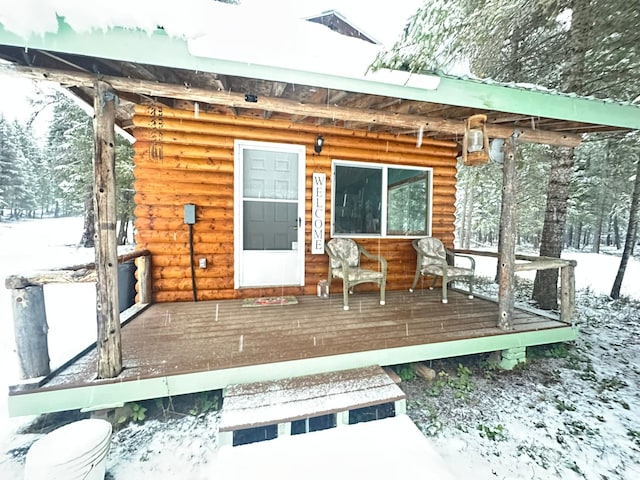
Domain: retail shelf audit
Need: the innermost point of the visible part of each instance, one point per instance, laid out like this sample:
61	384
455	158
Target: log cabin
246	162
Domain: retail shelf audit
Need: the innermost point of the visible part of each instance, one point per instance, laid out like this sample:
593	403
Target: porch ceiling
300	104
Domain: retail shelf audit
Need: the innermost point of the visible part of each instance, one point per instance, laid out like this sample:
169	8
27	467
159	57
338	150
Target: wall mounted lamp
319	143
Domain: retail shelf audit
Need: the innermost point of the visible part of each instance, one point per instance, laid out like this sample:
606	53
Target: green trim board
160	49
96	396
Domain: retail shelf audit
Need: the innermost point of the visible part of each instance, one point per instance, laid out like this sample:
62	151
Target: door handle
295	227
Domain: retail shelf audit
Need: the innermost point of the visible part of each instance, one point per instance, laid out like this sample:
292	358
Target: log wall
182	159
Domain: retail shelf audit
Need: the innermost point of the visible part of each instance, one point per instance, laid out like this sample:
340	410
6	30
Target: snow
284	41
382	449
568	415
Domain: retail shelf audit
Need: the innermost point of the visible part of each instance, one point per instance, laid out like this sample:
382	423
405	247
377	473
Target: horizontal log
151	212
176	162
185	116
181	175
546	264
72	274
400	158
277	104
169	187
180	198
177	248
50	276
213	270
177	224
222	136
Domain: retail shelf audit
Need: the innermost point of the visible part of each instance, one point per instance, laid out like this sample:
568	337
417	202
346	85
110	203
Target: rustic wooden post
144	278
104	191
567	292
506	298
30	331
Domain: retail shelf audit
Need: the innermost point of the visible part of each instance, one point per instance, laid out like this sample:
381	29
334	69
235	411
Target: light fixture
319	143
475	144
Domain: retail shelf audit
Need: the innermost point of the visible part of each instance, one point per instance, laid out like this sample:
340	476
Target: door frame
238	234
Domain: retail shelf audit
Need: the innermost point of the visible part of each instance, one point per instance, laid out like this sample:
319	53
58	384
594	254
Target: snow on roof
217	30
212	29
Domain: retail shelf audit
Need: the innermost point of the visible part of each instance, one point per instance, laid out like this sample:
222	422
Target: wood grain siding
181	159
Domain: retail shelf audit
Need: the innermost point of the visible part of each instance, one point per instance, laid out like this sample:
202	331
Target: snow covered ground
571	412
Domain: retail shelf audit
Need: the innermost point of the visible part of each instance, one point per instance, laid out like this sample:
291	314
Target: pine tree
589	47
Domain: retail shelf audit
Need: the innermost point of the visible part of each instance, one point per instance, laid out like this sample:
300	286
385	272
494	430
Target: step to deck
281	402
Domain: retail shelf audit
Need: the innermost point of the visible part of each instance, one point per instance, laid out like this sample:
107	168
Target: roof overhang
426	101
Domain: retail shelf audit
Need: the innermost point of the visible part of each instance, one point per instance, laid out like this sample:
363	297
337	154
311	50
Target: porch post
506	298
106	251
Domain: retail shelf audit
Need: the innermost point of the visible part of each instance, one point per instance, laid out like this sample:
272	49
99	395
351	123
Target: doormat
269	301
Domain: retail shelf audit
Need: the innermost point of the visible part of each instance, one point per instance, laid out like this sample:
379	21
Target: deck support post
567	293
30	331
106	249
512	357
506	277
144	279
224	439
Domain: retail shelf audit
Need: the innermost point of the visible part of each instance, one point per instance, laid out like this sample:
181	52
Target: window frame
384	168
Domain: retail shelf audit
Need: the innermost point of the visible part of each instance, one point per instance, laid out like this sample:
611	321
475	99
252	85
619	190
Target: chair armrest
455	255
371	256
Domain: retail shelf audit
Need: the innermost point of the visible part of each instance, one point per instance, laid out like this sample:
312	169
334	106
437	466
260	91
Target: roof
339	23
319	78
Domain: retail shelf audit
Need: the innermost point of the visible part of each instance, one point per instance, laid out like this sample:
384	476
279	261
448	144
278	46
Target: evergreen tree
589	47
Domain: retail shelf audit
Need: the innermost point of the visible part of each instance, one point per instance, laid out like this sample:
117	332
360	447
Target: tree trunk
630	239
89	227
616	232
598	226
545	286
123	230
577	236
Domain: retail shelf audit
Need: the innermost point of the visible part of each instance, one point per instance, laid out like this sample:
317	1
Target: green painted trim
107	394
160	49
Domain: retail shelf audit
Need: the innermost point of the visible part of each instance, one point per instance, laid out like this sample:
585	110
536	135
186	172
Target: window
380	200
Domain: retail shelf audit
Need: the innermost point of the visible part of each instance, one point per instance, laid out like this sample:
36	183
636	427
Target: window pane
357	200
407	202
270	174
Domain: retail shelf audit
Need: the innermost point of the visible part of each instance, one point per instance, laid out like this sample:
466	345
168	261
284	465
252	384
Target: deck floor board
175	338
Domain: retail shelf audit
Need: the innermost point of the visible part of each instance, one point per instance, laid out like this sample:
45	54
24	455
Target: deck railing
528	263
29	312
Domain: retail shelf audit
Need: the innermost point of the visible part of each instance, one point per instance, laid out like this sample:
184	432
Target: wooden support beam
567	293
331	111
144	279
506	296
106	250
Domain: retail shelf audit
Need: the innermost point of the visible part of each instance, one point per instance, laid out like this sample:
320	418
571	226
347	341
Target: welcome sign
318	198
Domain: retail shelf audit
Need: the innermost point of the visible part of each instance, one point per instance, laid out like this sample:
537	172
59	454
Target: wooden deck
175	348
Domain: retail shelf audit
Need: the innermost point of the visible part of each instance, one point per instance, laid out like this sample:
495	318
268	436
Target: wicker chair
432	260
344	262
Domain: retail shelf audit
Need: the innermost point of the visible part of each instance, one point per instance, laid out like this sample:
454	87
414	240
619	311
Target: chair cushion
431	246
452	272
358	275
347	250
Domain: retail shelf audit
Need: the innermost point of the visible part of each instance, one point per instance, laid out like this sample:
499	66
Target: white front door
269	214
